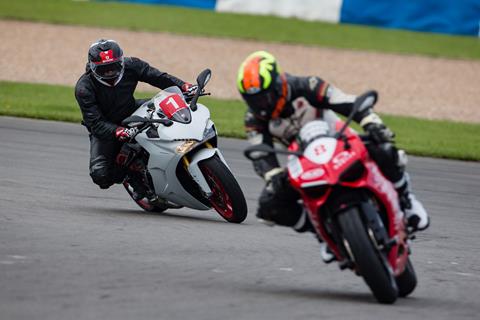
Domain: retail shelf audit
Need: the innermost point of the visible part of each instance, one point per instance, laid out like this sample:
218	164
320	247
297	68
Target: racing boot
140	190
417	216
303	225
326	254
139	182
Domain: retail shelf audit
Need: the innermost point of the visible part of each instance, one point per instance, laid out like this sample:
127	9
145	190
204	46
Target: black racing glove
373	125
379	133
276	179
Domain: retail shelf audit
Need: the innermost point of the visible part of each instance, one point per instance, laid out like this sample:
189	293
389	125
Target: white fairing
321	150
195	171
165	152
294	166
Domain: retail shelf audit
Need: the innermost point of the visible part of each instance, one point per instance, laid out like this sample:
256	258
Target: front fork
191	164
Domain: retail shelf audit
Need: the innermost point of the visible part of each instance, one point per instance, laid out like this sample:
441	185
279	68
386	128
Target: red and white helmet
105	58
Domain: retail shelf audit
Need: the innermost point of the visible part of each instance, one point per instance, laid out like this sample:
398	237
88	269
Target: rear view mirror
258	151
366	100
203	78
202	81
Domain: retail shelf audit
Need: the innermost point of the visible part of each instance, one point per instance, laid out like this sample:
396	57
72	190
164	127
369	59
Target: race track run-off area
411	85
72	251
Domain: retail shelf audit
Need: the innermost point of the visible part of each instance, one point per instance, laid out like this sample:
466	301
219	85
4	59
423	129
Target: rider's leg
138	179
282	207
392	162
102	156
279	204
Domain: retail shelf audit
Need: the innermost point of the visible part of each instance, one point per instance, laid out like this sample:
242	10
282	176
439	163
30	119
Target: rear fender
195	171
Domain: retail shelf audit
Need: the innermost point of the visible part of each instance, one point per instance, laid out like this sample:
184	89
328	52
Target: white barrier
323	10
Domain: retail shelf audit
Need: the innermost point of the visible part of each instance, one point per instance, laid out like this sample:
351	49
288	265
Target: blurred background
68	251
422	56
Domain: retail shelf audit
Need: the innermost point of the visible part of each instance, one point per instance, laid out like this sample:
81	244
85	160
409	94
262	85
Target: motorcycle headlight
316	192
353	173
209	133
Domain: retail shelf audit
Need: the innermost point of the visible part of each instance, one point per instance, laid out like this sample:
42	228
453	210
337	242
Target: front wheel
227	197
407	281
368	260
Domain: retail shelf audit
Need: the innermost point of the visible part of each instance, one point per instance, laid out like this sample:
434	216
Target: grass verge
443	139
264	28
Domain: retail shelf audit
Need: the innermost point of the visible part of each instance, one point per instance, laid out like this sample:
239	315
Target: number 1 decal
174	103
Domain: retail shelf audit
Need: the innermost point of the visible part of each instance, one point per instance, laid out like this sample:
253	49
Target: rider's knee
282	213
100	174
103	180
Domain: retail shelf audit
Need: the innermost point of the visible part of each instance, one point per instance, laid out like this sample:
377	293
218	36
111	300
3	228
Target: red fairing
384	190
172	104
320	168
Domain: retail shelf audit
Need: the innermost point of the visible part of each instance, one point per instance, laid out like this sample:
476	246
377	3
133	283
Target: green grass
442	139
264	28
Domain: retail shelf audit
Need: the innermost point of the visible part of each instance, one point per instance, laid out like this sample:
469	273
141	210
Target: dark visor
263	101
108	71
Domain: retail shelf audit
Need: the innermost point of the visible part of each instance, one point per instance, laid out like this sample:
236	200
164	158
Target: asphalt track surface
69	250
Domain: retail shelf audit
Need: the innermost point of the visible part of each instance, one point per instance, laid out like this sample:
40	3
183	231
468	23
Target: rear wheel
407	281
144	204
227	197
369	262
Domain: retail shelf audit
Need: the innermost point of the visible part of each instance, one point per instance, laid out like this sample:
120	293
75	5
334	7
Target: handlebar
189	98
141	121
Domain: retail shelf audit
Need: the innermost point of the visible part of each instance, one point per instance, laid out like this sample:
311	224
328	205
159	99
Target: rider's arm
153	76
92	116
321	94
257	133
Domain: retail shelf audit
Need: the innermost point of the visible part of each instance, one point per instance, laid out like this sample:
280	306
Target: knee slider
101	178
100	174
284	215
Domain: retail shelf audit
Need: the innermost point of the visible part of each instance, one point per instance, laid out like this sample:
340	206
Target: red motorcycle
352	206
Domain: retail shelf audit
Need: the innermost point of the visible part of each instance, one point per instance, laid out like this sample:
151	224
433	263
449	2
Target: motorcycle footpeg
390	243
345	264
171	205
165	203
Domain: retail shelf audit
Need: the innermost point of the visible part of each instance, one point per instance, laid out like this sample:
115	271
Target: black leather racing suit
308	98
104	107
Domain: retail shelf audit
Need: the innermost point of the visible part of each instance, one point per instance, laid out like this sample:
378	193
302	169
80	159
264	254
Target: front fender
195	171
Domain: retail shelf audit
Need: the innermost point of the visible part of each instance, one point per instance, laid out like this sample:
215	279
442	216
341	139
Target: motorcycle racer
279	104
105	96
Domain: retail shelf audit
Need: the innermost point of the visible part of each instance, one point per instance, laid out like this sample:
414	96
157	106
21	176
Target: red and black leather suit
104	107
308	98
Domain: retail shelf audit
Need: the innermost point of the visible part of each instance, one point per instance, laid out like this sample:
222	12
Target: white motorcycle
178	142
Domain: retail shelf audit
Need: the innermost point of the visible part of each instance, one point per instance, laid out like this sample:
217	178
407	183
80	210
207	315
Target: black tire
145	206
368	260
407	281
227	197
